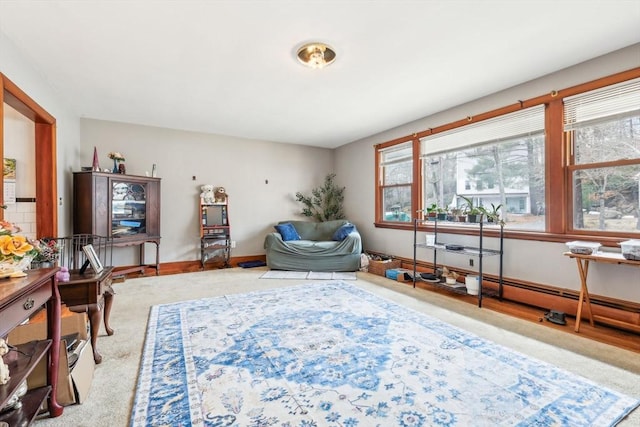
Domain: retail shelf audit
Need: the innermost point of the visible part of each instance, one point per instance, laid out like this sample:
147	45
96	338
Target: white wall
19	71
241	166
539	262
18	130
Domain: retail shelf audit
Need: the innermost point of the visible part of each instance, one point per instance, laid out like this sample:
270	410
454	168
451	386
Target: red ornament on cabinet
96	164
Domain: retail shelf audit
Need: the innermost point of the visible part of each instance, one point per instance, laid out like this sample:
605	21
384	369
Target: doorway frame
45	154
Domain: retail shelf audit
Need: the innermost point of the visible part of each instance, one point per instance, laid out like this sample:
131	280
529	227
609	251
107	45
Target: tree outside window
508	173
396	173
606	175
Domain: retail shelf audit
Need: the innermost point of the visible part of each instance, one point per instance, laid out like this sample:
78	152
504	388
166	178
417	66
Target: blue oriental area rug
336	355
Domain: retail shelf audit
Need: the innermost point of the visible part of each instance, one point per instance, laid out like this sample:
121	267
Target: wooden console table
20	298
90	293
583	270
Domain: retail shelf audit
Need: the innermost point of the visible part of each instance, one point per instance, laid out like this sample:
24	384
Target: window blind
396	154
508	126
621	99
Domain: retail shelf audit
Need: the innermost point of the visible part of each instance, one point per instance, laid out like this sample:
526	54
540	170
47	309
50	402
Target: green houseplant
324	203
432	211
474	213
493	214
458	215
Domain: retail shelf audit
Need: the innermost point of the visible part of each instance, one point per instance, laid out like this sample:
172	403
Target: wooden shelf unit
21	298
215	233
478	252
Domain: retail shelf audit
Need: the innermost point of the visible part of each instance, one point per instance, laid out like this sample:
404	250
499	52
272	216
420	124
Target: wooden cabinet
215	233
20	298
125	208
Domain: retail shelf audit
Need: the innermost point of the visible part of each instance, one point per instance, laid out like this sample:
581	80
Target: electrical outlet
470	262
233	244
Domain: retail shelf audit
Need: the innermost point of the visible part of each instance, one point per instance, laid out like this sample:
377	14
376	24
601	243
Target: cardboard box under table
74	379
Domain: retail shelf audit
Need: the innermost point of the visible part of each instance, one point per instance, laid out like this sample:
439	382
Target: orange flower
16	246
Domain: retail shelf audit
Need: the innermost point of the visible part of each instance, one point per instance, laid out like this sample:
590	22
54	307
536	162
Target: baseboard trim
549	297
177	267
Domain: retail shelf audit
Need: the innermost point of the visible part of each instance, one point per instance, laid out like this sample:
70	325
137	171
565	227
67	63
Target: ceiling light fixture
316	55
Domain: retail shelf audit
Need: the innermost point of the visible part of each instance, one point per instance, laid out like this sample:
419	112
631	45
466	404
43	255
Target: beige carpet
113	389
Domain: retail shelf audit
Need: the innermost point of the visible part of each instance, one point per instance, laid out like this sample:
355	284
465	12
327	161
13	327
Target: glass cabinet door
128	208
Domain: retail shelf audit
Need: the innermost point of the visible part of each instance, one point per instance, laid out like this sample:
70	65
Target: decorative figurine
96	164
207	195
221	195
4	368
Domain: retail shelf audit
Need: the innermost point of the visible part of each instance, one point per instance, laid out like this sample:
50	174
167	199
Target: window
498	161
566	164
396	182
603	130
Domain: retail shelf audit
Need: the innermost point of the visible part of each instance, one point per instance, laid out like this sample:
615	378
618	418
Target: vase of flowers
116	157
16	252
47	253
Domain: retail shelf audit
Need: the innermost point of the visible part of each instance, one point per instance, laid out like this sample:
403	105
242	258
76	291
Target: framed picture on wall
93	259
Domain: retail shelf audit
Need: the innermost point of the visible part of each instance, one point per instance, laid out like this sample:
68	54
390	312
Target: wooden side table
90	293
583	270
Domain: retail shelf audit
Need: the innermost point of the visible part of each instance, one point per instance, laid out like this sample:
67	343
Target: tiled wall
23	214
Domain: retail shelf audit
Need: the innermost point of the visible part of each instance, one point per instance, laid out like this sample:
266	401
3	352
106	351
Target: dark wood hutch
123	207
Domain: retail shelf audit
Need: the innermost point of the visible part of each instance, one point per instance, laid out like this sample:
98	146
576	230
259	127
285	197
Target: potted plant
493	214
441	213
458	215
451	216
325	203
474	213
432	211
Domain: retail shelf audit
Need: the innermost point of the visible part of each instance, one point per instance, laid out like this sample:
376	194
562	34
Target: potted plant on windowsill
474	213
432	212
441	213
493	214
458	215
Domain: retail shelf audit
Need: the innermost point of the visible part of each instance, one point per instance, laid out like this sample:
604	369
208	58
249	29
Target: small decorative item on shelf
207	196
96	164
116	157
63	275
122	169
220	195
451	277
14	401
16	252
4	368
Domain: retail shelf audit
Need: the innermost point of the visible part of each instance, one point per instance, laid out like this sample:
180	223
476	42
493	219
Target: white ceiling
229	67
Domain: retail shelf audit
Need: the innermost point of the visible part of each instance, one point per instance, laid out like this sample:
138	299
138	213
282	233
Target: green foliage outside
324	203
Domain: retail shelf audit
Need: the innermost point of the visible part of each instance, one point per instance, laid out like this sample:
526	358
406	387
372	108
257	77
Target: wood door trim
45	154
